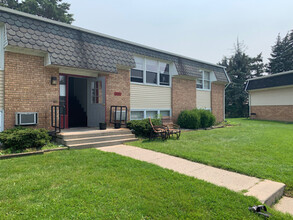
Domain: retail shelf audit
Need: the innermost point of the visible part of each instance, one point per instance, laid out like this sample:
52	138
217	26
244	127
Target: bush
142	128
196	118
19	139
207	119
189	119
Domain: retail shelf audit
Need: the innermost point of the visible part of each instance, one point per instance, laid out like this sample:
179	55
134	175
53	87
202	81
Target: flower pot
117	125
103	126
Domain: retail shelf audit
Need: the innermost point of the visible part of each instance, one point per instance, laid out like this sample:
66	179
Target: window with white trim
146	113
148	71
205	81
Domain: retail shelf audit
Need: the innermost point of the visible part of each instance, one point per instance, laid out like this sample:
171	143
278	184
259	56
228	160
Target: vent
26	118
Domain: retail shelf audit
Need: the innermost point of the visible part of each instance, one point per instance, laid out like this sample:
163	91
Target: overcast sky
202	29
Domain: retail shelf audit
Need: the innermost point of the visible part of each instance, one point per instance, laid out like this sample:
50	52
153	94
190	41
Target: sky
201	29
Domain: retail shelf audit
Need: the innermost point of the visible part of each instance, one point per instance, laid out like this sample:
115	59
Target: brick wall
118	83
28	88
183	96
217	96
273	112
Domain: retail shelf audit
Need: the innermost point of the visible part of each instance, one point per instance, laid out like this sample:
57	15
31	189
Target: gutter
224	94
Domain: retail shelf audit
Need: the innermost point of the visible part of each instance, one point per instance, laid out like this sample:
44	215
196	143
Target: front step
69	142
101	143
93	138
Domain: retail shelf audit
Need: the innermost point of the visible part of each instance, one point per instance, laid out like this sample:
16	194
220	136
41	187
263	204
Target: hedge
19	139
196	118
142	128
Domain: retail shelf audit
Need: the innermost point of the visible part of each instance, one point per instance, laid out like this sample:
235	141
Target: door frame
67	96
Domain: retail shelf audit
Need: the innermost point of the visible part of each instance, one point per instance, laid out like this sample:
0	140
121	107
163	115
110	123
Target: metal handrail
56	110
121	120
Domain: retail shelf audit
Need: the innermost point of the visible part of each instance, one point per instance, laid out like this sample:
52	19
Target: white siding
150	97
274	96
203	99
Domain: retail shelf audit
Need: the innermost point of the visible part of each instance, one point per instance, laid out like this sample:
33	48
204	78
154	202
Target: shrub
196	118
189	119
207	119
19	139
142	128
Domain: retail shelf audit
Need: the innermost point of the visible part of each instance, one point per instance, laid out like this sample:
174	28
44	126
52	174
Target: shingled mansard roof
270	81
72	46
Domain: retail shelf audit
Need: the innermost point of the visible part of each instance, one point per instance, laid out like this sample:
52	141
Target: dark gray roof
275	80
69	46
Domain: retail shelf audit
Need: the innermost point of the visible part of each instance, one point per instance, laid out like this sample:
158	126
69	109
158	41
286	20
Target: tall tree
282	54
240	67
52	9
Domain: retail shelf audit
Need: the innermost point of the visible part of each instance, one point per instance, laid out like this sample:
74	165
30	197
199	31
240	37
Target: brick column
217	96
183	95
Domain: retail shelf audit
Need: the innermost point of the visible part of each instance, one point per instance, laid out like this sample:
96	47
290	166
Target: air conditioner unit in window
26	118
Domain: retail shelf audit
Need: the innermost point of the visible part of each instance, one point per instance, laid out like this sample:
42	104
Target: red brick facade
273	112
119	84
183	95
217	102
28	88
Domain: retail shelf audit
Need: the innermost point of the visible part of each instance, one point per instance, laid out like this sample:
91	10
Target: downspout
224	94
249	106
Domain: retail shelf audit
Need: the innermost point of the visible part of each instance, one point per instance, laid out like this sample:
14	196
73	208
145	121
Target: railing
120	115
56	121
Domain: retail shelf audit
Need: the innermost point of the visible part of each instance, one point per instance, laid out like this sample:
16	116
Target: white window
165	113
137	72
205	81
148	71
136	115
152	114
143	113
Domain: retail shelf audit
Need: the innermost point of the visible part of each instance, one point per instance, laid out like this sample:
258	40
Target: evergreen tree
240	67
282	54
52	9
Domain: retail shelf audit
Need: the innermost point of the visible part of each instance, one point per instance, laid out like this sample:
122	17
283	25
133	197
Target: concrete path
265	191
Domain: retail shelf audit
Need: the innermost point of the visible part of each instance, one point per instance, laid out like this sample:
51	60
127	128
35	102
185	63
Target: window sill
149	84
203	89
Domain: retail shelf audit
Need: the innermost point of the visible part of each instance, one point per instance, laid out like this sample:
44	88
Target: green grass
89	184
262	149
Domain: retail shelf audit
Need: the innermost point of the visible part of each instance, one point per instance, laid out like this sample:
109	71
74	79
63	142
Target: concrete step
71	141
101	143
267	191
285	205
92	133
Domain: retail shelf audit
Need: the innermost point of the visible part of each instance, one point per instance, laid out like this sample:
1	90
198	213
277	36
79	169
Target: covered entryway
83	101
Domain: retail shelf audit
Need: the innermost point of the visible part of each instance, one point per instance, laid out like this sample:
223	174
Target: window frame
158	73
146	110
203	80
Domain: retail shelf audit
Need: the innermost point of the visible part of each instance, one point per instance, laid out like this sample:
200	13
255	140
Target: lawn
262	149
90	184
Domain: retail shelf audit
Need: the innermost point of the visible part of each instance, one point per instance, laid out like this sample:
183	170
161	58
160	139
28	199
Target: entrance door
96	101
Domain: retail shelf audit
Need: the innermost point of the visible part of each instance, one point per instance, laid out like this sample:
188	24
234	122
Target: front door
96	101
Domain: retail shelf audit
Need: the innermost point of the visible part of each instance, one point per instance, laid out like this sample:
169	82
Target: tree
282	54
240	67
52	9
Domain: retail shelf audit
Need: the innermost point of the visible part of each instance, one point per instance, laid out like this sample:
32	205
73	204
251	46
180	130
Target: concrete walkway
265	191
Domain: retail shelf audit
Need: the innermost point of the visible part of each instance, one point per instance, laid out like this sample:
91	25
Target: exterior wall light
53	80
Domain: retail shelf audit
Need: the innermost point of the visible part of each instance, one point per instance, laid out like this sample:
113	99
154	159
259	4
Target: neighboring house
271	97
45	63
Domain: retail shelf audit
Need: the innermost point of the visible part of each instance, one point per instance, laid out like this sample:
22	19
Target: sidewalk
266	191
